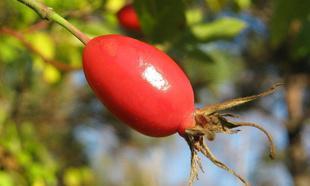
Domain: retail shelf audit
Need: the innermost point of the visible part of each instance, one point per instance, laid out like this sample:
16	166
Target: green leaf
3	115
301	47
9	49
224	67
216	5
114	5
285	12
194	16
26	16
7	53
42	42
243	4
51	74
96	27
78	176
6	179
219	5
225	27
161	21
10	140
72	177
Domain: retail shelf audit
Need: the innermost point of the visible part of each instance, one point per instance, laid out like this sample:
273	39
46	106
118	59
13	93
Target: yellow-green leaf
43	43
114	5
225	27
216	5
193	16
38	63
51	74
6	179
243	4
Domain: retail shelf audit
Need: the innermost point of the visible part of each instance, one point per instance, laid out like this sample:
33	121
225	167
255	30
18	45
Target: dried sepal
209	122
272	150
195	160
209	109
196	145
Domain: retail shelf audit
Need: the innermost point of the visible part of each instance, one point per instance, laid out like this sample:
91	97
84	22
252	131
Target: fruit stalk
49	14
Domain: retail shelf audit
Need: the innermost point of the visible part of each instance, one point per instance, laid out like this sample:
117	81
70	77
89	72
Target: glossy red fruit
128	19
139	84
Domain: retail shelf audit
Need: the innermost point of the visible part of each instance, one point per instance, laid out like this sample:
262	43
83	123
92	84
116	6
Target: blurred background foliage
53	131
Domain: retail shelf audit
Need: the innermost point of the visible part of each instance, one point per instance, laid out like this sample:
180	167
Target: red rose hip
146	89
128	18
139	84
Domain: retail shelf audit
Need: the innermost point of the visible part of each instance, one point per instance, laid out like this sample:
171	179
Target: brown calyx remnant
209	122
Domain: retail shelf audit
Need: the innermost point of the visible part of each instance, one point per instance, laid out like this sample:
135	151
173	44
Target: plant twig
296	153
59	65
49	14
37	26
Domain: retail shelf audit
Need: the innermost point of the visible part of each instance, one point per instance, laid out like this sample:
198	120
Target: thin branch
37	26
294	96
297	160
59	65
